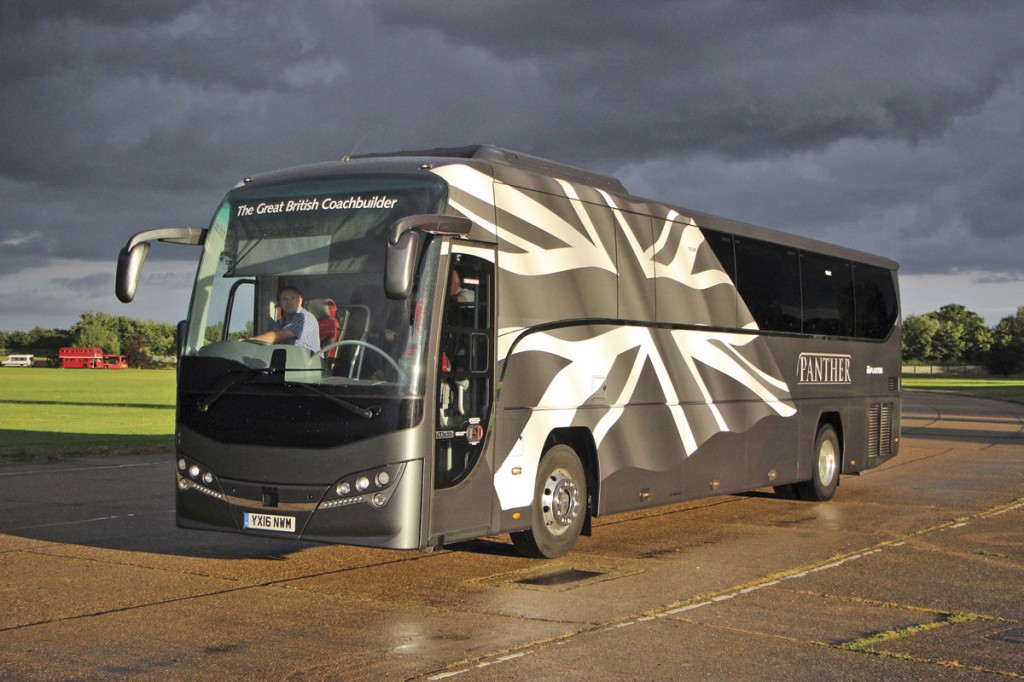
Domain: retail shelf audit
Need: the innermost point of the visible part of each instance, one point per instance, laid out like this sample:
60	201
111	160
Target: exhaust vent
880	429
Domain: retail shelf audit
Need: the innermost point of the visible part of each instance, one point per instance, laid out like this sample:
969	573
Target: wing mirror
404	247
133	255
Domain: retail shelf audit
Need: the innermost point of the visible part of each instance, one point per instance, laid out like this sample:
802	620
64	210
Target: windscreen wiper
364	412
209	399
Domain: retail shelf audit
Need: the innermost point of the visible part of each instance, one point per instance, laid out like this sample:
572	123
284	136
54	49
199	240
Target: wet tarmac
914	571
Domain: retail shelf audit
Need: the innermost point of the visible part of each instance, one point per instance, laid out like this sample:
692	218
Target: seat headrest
322	308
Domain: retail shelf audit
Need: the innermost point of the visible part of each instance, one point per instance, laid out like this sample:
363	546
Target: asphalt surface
914	571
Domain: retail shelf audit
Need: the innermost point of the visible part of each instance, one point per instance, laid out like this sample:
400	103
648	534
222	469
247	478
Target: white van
19	361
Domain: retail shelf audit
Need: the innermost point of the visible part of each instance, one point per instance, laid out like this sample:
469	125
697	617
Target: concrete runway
914	571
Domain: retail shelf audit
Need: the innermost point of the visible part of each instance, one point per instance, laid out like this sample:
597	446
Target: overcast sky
891	127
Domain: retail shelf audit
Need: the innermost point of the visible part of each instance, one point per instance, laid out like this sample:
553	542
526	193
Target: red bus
90	358
111	361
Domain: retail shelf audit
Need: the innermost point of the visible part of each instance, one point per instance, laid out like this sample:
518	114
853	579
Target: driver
297	326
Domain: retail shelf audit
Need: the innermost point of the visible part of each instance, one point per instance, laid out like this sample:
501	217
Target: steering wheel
353	342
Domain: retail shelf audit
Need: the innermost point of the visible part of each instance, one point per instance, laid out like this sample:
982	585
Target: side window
768	280
466	369
875	301
720	244
827	285
239	314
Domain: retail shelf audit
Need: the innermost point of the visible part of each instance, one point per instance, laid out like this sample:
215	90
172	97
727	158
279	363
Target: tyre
559	506
825	471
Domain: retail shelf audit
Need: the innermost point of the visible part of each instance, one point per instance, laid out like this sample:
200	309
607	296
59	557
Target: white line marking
60	470
81	521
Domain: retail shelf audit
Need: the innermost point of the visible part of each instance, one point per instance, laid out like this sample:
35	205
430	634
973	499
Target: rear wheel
559	506
825	472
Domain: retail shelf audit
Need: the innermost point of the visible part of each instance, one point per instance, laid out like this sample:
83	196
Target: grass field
59	413
1011	389
56	413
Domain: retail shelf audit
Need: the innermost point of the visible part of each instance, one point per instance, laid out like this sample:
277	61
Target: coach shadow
115	502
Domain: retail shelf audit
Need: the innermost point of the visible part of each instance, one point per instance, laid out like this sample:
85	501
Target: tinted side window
768	279
827	295
721	245
876	301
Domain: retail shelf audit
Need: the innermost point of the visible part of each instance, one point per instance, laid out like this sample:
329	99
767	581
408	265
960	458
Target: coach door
463	486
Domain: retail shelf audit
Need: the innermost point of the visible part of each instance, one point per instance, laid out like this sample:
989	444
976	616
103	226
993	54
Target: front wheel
559	506
825	473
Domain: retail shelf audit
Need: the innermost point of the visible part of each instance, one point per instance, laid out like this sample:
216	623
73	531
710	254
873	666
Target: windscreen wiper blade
364	412
209	399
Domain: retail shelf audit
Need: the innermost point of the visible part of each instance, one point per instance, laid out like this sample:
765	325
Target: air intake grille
880	429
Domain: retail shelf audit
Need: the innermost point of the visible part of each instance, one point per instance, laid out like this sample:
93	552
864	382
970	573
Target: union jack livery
510	345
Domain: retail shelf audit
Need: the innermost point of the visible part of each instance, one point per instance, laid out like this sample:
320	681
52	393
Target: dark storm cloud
740	78
891	127
26	14
96	100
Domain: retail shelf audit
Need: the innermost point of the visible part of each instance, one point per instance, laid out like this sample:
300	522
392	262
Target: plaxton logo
824	368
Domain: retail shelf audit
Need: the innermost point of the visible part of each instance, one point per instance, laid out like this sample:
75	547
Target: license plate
283	524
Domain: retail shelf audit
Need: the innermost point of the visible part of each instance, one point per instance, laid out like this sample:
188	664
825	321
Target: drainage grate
559	578
570	575
1014	636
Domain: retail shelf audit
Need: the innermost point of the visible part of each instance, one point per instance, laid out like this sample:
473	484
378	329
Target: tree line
955	335
144	343
948	336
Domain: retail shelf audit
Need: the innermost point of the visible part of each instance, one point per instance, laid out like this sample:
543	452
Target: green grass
1010	389
59	413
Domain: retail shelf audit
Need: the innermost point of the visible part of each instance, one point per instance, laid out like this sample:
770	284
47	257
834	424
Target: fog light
383	478
343	488
362	483
182	484
181	464
208	478
193	471
379	499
